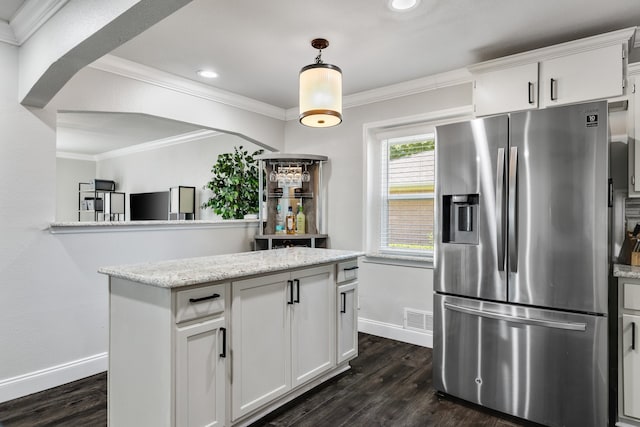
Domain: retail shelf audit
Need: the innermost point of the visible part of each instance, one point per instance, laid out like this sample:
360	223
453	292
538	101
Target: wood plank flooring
389	385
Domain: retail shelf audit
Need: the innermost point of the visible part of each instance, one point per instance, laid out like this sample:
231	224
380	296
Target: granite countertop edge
216	268
626	271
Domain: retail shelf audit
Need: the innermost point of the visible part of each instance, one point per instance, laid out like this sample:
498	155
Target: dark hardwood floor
389	385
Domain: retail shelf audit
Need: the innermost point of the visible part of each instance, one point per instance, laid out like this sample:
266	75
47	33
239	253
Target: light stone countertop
191	271
628	271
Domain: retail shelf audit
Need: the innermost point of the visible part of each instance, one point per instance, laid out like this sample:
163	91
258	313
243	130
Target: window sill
399	260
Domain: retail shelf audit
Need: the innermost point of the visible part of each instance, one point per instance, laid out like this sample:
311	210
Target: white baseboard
54	376
395	332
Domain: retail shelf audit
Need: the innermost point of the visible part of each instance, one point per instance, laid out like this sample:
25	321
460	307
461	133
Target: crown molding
75	156
32	15
139	148
159	143
555	51
133	70
636	39
411	87
6	34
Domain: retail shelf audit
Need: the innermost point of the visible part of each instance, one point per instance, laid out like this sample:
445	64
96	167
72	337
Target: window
399	197
407	195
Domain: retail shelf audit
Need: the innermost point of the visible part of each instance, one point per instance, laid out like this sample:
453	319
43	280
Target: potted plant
234	184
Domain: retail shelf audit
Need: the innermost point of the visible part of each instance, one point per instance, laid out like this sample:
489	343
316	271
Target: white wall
384	289
53	304
187	164
69	172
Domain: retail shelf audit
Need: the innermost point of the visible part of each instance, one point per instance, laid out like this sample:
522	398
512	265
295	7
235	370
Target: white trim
145	146
435	116
129	226
54	376
159	143
555	51
411	87
395	332
133	70
7	35
32	15
75	156
636	41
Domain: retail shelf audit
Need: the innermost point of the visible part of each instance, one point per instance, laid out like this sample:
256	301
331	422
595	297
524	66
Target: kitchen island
223	340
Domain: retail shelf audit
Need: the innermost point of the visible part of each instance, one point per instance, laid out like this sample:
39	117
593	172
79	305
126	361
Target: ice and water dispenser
460	218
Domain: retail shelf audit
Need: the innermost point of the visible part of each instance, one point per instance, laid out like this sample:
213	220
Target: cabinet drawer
199	302
631	296
347	270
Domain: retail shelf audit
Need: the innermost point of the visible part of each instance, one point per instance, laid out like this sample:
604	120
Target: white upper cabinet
584	76
577	71
505	90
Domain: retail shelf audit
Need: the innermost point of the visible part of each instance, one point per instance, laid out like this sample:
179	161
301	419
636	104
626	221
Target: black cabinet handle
297	291
214	296
290	285
224	342
633	335
343	296
554	96
531	101
355	267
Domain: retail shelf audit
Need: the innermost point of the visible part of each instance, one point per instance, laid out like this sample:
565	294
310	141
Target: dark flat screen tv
149	206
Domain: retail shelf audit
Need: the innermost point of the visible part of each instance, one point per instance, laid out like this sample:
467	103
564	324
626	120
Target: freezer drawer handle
571	326
500	208
214	296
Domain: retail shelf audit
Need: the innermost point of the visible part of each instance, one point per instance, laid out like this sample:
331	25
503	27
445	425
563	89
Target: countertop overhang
628	271
191	271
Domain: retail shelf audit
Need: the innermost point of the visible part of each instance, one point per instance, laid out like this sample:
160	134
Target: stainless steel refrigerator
521	265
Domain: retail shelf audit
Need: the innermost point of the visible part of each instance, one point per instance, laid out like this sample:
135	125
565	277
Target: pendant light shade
320	91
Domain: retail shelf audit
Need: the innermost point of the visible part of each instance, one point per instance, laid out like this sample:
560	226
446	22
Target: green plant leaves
234	184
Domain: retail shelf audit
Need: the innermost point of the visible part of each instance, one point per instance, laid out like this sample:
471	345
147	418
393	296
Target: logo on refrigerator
592	120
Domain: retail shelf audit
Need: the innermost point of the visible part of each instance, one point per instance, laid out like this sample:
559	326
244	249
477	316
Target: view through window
408	185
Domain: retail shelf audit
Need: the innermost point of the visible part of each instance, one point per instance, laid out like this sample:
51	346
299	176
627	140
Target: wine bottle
290	222
300	221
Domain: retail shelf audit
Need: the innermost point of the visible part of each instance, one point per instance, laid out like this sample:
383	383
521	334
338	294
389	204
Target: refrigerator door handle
513	204
571	326
500	208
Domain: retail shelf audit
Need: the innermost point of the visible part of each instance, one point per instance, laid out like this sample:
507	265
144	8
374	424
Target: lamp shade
320	95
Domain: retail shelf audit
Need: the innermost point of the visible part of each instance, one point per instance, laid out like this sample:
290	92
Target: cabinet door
505	90
631	364
313	323
584	76
200	374
347	322
261	341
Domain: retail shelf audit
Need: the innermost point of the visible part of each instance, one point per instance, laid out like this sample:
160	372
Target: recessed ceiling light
403	5
207	74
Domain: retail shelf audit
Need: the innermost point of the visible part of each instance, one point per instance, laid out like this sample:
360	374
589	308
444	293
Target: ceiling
258	47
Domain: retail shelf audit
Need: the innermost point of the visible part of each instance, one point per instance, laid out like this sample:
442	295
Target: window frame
374	134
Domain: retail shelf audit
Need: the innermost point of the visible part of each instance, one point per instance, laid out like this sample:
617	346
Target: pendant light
320	91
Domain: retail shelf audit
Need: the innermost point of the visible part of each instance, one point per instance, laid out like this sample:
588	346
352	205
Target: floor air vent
418	320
